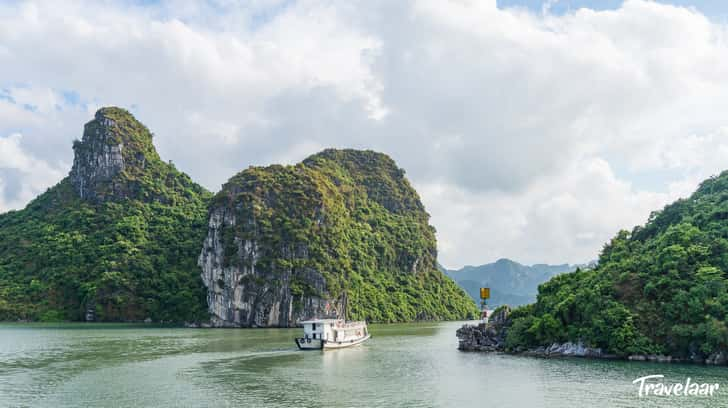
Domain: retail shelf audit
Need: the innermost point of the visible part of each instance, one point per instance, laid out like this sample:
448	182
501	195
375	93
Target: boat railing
350	325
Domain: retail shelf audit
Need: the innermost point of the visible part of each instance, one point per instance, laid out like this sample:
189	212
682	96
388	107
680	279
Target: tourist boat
319	334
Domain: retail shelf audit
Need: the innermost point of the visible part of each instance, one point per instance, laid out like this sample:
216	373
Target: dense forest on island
661	288
348	218
119	238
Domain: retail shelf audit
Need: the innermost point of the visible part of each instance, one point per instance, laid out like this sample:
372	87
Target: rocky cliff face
113	144
243	293
97	156
340	234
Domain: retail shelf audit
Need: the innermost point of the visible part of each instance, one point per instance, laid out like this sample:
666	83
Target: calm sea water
413	365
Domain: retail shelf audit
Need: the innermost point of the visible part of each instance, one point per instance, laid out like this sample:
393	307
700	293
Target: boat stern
307	343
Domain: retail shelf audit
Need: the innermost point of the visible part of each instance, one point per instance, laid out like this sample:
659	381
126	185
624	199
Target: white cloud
22	176
528	134
573	214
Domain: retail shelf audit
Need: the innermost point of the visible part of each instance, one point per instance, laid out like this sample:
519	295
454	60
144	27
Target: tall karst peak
384	181
342	233
116	240
115	148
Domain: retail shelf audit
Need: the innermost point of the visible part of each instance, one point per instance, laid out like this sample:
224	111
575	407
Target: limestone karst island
350	204
127	237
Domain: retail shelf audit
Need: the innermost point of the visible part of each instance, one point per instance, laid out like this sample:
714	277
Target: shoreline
535	353
196	325
658	359
485	338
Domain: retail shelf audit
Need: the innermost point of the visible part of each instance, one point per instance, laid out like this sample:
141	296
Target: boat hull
337	345
316	344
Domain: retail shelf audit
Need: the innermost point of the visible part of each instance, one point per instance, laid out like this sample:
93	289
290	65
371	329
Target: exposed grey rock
97	157
488	336
491	337
485	337
659	358
479	338
718	358
570	349
243	293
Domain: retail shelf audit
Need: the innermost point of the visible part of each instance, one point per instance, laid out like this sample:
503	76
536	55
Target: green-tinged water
413	365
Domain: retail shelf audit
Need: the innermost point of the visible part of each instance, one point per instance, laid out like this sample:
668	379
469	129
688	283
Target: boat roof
320	321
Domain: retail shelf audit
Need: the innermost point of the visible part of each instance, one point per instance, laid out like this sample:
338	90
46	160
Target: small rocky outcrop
479	337
718	358
490	336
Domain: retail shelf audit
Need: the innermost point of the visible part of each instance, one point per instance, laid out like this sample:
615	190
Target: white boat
319	334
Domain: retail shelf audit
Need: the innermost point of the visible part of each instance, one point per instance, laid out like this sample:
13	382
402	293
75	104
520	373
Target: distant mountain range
510	282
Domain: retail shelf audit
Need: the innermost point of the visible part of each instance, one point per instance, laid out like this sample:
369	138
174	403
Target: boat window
314	336
313	326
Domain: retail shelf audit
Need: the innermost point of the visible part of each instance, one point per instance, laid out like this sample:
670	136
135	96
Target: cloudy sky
533	130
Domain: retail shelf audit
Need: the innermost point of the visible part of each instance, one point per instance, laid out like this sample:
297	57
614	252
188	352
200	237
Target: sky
714	9
532	130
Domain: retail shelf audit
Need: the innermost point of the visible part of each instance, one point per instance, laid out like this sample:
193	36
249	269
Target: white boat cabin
331	333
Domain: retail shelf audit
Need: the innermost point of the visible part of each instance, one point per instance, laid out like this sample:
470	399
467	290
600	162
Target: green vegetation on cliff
661	288
119	236
350	216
